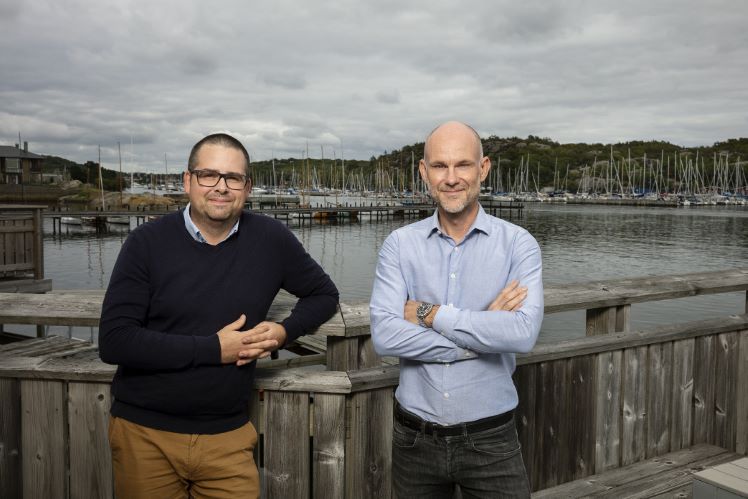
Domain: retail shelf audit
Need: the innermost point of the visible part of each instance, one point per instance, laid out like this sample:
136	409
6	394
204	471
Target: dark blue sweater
168	297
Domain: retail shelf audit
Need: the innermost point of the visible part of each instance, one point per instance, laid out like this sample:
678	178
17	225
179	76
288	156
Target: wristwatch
422	311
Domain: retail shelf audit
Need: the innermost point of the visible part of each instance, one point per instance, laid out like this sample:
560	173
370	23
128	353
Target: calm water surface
579	243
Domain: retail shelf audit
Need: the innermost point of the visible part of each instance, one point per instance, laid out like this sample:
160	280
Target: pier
629	413
288	212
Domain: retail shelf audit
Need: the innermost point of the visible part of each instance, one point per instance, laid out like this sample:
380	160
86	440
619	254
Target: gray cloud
361	78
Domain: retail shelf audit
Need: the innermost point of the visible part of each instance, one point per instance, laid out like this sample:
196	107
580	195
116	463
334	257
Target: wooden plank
600	321
596	485
741	402
550	405
38	245
43	439
368	471
90	456
26	286
565	413
374	377
356	318
10	438
287	465
666	481
659	385
543	413
303	379
524	415
617	341
703	389
623	318
581	439
725	390
633	431
608	411
681	423
612	293
328	451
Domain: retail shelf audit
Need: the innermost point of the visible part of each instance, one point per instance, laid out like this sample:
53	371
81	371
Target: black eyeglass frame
224	176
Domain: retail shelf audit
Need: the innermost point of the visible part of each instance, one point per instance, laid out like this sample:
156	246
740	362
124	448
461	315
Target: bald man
455	297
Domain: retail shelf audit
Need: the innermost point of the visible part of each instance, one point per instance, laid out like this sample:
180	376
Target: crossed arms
510	323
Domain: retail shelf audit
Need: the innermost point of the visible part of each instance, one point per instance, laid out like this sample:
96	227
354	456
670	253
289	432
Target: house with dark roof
19	166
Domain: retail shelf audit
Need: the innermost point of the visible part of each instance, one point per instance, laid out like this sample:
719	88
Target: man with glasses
184	320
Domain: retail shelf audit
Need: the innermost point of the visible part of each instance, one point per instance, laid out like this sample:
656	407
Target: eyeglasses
210	178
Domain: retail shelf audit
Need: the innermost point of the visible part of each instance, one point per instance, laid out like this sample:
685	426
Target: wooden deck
666	476
591	406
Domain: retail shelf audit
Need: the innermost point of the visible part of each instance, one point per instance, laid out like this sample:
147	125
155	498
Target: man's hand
510	298
231	339
257	339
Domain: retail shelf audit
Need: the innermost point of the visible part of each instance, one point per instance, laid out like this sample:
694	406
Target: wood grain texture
287	466
10	438
328	451
43	439
368	470
659	385
681	422
725	393
90	458
633	422
608	411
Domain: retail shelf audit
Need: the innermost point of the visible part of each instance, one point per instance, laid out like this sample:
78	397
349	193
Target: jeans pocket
404	437
501	441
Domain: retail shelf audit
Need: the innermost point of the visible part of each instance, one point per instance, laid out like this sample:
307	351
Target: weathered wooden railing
586	405
21	249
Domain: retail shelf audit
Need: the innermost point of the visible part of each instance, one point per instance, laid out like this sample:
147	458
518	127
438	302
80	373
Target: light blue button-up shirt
195	232
460	369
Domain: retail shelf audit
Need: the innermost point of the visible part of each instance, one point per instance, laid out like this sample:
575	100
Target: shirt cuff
444	320
444	323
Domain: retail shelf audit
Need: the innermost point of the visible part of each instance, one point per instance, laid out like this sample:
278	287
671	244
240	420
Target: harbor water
578	243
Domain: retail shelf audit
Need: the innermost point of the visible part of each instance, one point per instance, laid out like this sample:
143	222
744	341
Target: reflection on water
579	243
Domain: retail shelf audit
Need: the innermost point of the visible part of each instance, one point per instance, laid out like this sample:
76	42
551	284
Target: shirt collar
481	223
195	232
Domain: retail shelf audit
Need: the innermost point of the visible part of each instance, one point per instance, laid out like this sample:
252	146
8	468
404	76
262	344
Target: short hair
218	139
477	138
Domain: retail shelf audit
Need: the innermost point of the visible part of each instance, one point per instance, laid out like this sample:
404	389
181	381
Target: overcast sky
364	77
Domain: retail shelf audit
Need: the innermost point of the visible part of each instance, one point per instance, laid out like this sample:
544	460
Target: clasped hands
509	299
242	347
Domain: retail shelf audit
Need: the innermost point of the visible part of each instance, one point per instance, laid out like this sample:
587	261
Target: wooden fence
21	250
586	405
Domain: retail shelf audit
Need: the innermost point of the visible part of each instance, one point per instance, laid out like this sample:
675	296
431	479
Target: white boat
119	219
71	220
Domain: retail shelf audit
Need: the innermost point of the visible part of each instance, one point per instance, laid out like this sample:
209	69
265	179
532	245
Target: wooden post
38	245
601	321
10	438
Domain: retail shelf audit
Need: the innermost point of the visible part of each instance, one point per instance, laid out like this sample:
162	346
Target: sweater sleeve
305	279
124	338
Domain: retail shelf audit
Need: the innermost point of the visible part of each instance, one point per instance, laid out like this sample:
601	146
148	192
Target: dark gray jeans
485	464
